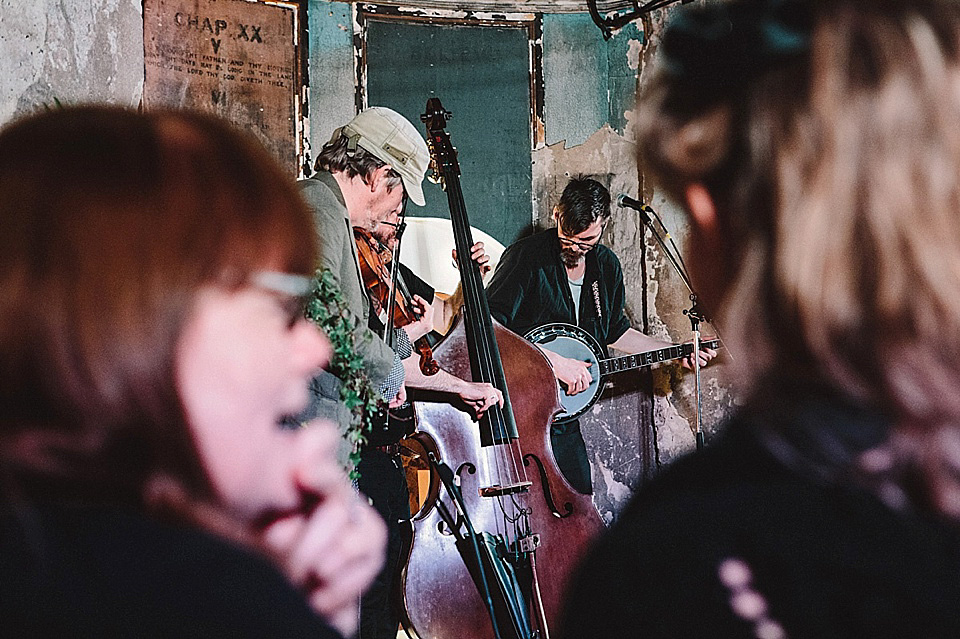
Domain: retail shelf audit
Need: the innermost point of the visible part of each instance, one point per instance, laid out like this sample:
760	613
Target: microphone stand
694	313
388	335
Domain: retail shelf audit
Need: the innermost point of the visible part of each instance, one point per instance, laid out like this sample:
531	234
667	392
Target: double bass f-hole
450	524
547	492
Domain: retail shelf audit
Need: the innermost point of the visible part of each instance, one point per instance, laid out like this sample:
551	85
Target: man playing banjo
565	275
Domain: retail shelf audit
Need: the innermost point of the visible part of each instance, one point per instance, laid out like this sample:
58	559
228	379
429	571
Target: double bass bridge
498	490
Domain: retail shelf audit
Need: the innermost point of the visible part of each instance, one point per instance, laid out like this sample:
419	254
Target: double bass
501	530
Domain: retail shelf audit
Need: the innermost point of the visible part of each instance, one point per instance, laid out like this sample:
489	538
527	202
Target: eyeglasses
583	246
293	291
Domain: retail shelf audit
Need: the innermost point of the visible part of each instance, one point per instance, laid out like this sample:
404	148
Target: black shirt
530	288
829	559
78	571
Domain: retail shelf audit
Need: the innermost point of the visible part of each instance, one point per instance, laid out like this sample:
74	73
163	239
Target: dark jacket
72	571
530	288
828	558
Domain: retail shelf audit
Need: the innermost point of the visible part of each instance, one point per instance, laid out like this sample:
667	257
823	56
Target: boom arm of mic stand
666	250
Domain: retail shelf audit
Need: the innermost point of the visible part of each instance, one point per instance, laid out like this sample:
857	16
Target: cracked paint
23	37
615	490
634	50
69	50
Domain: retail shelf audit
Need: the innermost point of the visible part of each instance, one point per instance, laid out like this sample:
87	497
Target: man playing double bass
565	275
364	174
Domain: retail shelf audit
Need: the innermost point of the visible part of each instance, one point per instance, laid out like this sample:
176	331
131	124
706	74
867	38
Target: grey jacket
339	255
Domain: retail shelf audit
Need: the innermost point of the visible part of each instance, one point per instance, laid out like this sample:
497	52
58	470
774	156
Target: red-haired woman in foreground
151	339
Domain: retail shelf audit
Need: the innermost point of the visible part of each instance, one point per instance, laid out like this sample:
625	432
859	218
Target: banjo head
572	342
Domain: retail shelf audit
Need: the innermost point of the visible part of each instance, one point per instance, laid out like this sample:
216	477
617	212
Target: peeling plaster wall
589	96
588	82
667	298
674	388
573	48
69	50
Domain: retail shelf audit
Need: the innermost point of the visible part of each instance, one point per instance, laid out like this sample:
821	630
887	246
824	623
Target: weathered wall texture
674	395
331	69
590	90
69	50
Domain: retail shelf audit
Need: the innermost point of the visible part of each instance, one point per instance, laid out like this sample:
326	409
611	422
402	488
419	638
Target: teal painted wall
478	73
587	80
575	78
621	77
331	71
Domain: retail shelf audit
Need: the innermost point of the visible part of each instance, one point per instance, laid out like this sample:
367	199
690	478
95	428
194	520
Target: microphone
624	200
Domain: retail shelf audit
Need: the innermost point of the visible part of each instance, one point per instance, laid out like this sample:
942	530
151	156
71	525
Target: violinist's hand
479	255
333	545
416	330
480	396
705	355
572	373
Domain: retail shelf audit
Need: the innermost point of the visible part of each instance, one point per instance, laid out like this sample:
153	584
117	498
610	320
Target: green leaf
327	310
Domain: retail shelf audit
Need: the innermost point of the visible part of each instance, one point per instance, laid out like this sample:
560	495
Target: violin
388	293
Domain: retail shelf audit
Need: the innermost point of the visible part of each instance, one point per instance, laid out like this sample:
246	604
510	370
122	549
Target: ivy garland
326	309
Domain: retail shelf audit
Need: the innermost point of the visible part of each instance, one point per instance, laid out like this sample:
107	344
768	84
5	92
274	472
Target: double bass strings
509	470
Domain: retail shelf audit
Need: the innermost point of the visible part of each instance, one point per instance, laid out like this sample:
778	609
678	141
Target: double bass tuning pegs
434	108
434	174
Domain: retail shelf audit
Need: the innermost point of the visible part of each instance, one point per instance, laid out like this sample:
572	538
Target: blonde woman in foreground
816	148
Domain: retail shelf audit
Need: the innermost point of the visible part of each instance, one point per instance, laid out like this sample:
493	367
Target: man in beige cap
365	173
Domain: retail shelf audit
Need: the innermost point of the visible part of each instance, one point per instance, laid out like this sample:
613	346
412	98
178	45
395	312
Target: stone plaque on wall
234	58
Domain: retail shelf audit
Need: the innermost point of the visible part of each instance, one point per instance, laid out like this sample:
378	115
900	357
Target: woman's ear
703	211
707	252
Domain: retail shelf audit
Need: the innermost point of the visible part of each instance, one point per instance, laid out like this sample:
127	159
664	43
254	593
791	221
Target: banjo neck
639	360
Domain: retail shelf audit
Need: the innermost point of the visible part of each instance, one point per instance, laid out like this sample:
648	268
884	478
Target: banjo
573	342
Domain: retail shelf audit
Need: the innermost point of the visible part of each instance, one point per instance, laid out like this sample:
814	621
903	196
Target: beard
386	235
570	257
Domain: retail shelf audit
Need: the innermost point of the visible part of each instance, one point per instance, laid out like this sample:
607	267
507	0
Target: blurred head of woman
150	339
815	146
